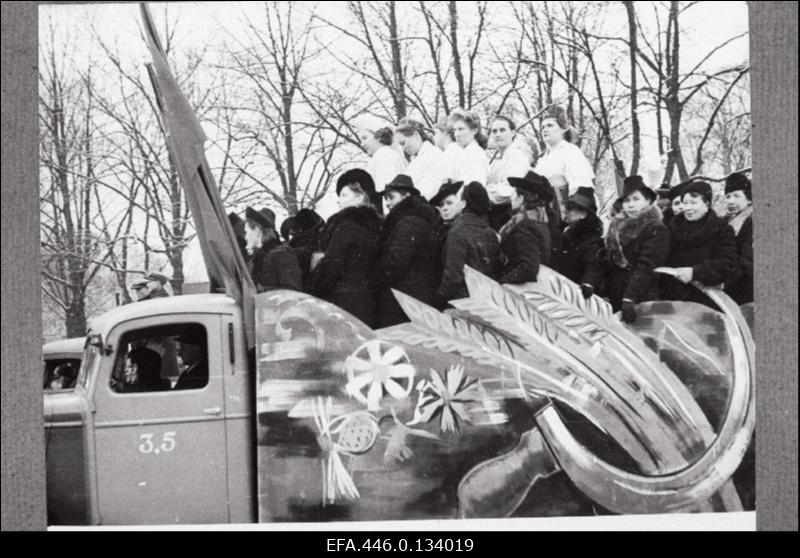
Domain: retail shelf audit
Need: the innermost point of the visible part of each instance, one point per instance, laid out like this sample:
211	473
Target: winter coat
346	275
634	247
409	250
304	245
740	288
524	244
581	244
708	246
274	266
471	242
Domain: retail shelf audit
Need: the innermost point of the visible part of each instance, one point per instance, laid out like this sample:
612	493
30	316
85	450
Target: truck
521	400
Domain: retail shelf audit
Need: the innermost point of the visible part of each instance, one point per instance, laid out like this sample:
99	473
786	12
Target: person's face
451	207
190	353
502	135
552	133
574	215
410	144
463	133
677	206
736	202
349	198
517	199
252	238
663	203
442	139
368	141
694	207
634	204
393	197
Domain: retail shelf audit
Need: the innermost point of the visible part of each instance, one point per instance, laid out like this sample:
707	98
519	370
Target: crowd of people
430	202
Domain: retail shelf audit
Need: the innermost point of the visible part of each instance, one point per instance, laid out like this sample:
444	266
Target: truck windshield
91	356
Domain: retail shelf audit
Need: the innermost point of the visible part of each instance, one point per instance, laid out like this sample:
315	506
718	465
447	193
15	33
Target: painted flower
449	397
375	368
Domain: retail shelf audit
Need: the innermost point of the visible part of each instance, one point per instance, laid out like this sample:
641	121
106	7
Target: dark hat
476	199
635	183
305	220
264	217
445	190
699	188
156	277
583	199
535	184
402	183
738	181
234	219
192	336
286	227
358	176
663	191
677	191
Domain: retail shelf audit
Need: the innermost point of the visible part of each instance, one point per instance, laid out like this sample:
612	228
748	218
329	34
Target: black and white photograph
315	262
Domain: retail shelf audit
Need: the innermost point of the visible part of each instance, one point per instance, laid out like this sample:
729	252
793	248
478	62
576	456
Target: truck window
61	373
161	358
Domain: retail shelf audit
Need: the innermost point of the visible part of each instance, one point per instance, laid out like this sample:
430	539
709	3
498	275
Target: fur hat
476	199
445	190
358	176
583	199
738	181
401	183
264	217
535	184
635	183
698	188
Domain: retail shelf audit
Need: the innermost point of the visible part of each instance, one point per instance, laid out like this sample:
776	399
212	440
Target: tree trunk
397	64
177	280
75	320
633	46
456	55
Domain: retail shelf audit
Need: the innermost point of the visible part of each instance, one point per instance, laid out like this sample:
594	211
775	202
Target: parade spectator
427	165
582	242
702	248
525	238
145	366
675	203
386	161
409	249
344	272
272	265
150	286
470	241
739	202
238	231
450	205
508	160
443	139
305	231
286	229
637	242
473	163
562	158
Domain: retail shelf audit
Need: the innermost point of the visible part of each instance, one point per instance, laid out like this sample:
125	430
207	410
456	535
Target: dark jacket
470	241
580	248
634	247
740	288
524	244
409	250
708	246
274	266
304	245
346	275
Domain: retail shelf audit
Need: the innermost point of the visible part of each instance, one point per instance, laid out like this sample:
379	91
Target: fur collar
623	230
361	215
687	233
738	220
412	206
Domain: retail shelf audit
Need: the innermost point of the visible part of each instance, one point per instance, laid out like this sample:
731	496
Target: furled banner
186	142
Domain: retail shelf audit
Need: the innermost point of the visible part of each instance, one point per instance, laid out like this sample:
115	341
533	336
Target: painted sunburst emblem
375	368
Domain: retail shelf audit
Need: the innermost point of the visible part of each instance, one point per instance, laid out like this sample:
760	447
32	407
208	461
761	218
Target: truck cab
159	428
62	361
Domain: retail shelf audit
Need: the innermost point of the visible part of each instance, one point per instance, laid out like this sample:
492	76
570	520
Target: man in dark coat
194	354
273	265
582	242
637	242
350	241
305	231
150	286
702	248
409	249
739	201
470	241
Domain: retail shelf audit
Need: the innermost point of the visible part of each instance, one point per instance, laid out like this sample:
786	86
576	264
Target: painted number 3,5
147	445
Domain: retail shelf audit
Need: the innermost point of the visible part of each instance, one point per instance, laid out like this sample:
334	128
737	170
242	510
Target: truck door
159	423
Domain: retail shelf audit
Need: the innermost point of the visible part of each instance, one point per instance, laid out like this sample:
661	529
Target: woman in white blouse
444	140
386	161
427	165
562	162
473	165
508	160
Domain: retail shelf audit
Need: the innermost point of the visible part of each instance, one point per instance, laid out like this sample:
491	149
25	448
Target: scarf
623	230
538	214
737	221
